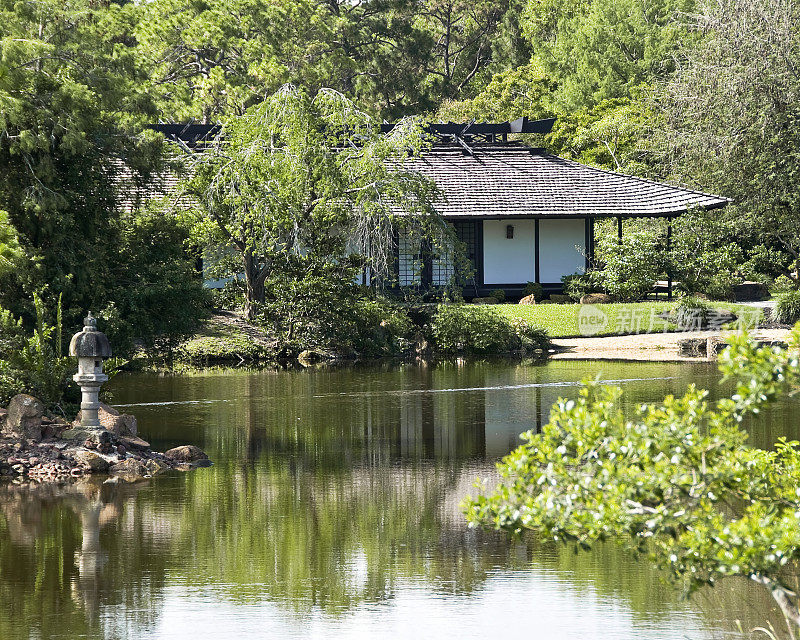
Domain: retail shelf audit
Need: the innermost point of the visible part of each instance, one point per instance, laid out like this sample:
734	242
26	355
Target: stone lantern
91	347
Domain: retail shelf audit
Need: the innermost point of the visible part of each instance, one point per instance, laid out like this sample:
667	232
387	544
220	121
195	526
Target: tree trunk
254	285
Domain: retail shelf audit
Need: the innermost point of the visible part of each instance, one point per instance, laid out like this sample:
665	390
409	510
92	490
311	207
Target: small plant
533	289
578	285
783	284
531	338
499	295
692	313
787	310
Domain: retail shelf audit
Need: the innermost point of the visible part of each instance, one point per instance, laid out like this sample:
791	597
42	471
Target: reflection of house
524	215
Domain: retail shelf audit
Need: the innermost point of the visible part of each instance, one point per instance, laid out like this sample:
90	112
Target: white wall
508	261
561	248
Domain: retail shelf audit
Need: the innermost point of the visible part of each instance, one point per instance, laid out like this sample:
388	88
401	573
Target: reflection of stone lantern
91	347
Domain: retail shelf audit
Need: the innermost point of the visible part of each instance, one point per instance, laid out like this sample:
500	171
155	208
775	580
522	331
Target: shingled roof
502	181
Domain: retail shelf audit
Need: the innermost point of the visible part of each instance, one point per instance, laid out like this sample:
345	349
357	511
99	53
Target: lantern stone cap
90	343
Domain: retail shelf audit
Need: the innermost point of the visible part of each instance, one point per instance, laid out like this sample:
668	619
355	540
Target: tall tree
302	179
70	124
733	115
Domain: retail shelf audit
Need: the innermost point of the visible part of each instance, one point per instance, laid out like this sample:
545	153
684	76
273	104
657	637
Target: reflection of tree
58	567
327	492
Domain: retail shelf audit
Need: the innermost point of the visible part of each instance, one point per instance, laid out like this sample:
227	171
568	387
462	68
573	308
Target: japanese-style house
524	215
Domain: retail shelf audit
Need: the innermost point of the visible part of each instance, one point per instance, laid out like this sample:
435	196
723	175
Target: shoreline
645	347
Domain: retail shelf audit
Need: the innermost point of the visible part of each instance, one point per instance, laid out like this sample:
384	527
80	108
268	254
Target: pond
332	510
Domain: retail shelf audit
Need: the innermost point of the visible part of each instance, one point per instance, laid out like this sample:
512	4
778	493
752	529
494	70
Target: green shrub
787	310
783	284
578	285
533	289
471	329
34	364
692	312
499	295
531	338
631	267
483	331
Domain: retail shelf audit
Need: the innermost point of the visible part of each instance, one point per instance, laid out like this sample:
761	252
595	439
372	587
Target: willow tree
300	181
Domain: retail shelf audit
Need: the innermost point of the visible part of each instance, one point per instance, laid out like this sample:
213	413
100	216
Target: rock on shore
41	448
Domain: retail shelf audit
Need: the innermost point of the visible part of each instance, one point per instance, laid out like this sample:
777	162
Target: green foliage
675	480
692	312
783	284
787	309
604	49
631	266
153	272
295	172
467	329
739	135
34	364
498	294
480	330
9	247
533	289
577	285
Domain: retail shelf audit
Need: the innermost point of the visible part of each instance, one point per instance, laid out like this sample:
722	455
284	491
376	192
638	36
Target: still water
331	511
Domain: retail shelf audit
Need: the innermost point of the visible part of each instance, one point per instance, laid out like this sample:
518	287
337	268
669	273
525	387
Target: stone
133	442
24	418
186	453
596	298
692	347
487	300
154	467
94	461
111	420
749	291
531	299
129	467
560	298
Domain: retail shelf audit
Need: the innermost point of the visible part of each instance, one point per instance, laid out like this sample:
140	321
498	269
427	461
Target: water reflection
332	509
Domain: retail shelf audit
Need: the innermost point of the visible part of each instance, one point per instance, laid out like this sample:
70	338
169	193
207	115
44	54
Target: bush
471	329
531	338
787	310
499	295
783	284
631	267
483	331
692	313
578	285
34	364
533	289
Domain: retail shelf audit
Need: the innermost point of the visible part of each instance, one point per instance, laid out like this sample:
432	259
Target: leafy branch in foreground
676	480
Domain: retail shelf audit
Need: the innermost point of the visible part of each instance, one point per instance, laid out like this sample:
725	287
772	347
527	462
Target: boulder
750	292
186	453
133	442
560	298
531	299
111	419
94	461
596	298
487	300
130	469
24	418
155	466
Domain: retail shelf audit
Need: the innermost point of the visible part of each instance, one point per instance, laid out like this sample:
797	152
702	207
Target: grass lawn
562	320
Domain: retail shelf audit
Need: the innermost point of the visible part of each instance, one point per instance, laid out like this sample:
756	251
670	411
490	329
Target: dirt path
235	321
659	347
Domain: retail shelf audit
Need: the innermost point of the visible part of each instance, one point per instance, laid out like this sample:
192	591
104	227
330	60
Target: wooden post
669	248
536	249
619	229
